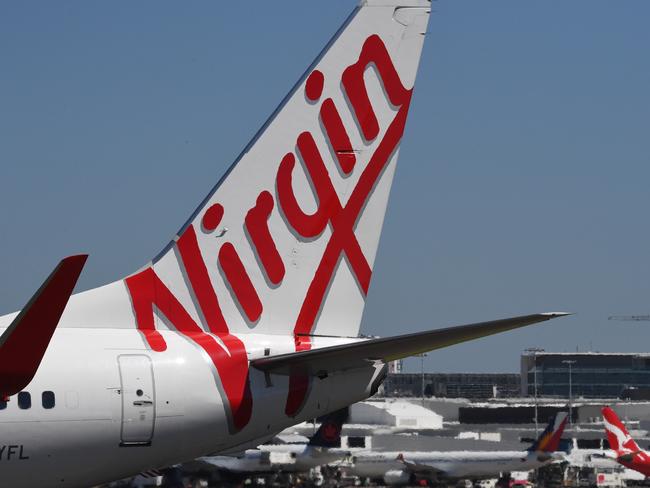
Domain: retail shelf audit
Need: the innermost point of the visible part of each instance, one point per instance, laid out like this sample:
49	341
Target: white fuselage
274	458
459	464
120	408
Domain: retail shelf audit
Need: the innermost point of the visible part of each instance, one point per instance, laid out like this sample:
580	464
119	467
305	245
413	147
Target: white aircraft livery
397	468
247	322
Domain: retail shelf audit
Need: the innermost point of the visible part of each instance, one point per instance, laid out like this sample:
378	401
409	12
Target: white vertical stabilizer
285	243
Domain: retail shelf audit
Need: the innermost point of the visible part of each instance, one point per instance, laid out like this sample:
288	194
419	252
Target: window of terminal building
48	399
24	400
588	443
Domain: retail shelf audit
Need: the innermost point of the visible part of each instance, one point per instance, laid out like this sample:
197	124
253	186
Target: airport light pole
535	350
422	356
570	362
628	397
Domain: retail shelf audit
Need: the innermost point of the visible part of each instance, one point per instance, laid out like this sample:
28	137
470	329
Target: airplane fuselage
276	458
102	395
461	464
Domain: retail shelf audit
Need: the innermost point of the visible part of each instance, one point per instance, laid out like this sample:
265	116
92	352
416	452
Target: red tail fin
617	435
549	440
23	344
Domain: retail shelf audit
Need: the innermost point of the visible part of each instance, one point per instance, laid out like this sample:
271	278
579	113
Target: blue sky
523	177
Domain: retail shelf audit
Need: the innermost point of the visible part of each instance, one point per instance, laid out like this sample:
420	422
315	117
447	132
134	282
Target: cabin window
48	399
24	400
3	404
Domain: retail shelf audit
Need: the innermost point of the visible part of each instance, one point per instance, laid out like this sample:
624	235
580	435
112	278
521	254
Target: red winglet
24	343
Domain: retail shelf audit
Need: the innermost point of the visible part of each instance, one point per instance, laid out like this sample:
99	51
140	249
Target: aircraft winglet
23	344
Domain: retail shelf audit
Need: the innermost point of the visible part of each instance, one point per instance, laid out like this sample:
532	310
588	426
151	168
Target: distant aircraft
247	322
628	452
324	447
401	468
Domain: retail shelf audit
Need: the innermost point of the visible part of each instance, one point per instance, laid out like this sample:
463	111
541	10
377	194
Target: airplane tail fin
549	440
24	343
285	242
329	432
617	435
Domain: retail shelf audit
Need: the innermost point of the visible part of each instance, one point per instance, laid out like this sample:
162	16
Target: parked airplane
396	468
247	322
324	447
627	451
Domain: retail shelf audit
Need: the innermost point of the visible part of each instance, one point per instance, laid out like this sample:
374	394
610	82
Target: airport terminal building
543	374
590	375
453	385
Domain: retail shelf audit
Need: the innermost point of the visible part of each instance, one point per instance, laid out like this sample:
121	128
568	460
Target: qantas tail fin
549	440
617	435
329	432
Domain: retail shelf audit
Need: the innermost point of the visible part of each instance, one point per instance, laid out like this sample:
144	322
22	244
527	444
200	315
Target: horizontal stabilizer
25	341
359	354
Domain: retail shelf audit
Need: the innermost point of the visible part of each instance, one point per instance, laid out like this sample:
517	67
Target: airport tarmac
583	466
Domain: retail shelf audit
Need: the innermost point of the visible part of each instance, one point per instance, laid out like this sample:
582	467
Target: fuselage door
138	399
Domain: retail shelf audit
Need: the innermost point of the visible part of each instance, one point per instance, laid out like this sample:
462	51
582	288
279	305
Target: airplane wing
358	354
23	344
627	457
605	456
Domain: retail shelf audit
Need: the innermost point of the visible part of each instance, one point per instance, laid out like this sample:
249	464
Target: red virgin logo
227	352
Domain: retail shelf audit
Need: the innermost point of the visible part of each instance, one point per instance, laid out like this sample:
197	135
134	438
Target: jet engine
396	477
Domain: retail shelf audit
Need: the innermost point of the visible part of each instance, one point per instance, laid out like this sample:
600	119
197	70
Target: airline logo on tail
617	435
329	432
549	440
217	273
